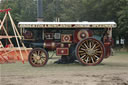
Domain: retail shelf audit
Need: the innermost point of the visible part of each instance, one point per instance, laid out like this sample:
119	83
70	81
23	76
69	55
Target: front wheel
90	51
38	57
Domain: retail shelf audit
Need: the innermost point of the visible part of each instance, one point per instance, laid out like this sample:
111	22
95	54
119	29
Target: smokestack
39	10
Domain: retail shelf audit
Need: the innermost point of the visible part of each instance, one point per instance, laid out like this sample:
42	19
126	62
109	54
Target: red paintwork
107	45
49	44
76	35
12	56
62	51
5	10
66	38
65	45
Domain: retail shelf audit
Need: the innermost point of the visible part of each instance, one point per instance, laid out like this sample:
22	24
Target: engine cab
67	37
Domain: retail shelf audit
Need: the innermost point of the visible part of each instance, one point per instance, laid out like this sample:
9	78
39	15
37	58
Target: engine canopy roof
67	25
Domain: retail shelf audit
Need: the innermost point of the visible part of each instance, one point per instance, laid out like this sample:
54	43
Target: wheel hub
38	57
90	52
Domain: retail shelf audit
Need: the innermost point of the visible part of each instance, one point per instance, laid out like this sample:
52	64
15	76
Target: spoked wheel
38	57
90	51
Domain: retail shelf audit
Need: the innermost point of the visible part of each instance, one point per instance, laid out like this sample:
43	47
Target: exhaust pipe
39	10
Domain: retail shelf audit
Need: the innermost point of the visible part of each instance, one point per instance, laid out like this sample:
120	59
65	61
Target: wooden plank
4	37
14	48
9	38
16	37
2	23
15	28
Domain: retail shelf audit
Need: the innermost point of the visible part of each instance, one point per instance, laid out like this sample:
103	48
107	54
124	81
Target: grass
51	73
121	53
119	57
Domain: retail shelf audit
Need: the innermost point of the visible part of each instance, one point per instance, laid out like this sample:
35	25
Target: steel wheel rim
38	57
90	51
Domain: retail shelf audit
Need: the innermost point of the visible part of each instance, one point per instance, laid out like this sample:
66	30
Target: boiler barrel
51	45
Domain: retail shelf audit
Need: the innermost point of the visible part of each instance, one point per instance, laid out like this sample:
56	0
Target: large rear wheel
90	51
38	57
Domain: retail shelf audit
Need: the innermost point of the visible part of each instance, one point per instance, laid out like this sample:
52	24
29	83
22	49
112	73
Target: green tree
22	10
123	20
73	10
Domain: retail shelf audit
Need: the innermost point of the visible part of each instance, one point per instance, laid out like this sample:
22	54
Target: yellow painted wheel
90	51
38	57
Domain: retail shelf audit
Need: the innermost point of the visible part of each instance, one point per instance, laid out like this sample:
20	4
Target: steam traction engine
88	42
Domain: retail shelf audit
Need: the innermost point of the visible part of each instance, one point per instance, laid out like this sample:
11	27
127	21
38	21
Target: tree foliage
73	10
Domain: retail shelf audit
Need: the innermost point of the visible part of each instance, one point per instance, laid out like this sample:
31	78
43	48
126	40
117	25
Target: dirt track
112	71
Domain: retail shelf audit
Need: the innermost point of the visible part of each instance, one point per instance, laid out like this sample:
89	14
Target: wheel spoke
87	42
34	55
41	62
83	56
35	61
96	57
94	46
83	53
97	46
43	59
43	56
87	60
90	45
98	51
38	53
85	45
92	59
38	62
82	46
83	49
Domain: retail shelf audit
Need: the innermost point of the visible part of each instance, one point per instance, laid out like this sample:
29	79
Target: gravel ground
112	71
